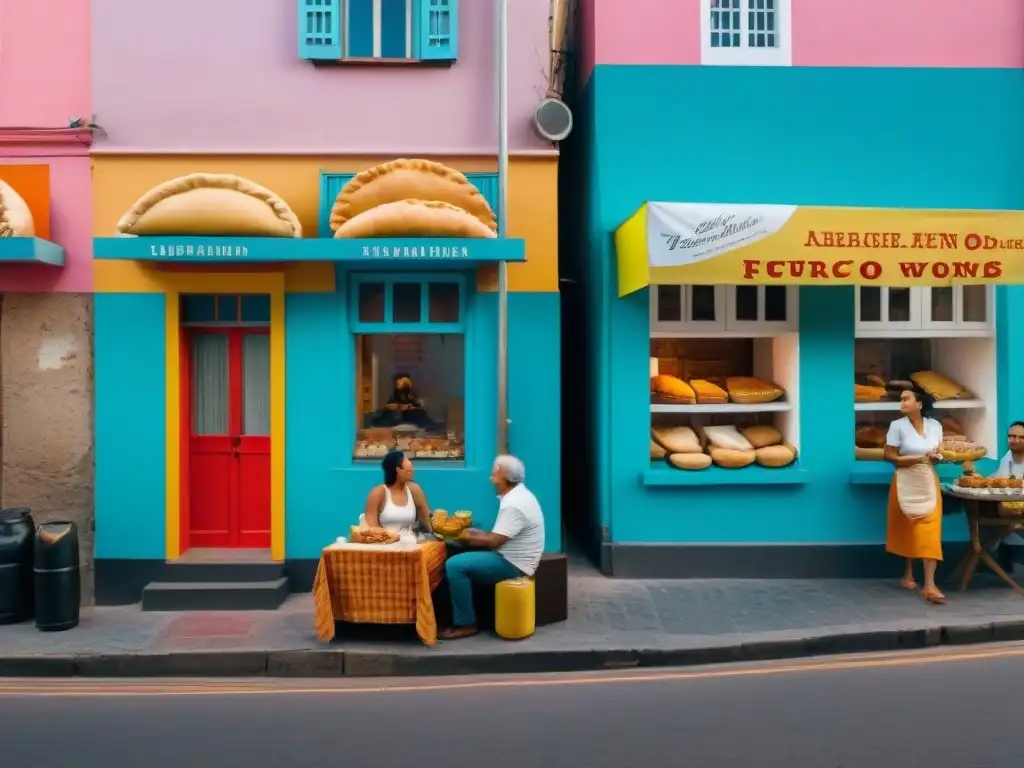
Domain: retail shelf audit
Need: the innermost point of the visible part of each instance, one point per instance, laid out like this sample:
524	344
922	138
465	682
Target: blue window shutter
437	30
487	183
330	186
319	30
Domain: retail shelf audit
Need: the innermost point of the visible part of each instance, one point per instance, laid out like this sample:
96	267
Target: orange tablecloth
378	586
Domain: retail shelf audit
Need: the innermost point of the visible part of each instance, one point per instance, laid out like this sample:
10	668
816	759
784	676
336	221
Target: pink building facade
299	97
46	281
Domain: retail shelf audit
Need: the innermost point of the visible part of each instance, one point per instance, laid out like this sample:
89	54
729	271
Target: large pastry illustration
15	217
411	198
210	204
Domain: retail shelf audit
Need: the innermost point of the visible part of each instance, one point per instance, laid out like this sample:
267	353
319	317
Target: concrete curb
338	662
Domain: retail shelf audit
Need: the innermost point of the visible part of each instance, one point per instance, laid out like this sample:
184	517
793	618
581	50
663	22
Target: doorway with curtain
225	422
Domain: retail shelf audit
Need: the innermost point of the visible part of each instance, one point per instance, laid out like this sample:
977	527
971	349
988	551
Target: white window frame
761	325
725	323
958	323
377	30
671	328
920	325
779	56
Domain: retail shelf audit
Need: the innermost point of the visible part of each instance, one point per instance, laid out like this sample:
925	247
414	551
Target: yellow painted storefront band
819	246
175	284
118	181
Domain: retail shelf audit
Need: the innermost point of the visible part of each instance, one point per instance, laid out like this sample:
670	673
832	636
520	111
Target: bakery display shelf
777	406
893	405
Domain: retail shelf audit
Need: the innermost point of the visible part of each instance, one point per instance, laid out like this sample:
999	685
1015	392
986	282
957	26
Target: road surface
941	709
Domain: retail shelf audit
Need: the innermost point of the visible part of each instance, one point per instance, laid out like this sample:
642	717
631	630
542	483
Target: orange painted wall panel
32	182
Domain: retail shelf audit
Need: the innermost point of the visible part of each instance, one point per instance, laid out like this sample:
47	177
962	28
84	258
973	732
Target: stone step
215	596
231	572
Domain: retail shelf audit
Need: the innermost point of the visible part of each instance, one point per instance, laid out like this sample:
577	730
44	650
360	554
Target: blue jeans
467	567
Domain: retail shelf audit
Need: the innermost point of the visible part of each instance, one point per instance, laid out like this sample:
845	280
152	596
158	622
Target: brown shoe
457	633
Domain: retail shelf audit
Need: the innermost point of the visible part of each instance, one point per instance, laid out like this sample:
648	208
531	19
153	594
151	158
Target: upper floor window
746	32
386	30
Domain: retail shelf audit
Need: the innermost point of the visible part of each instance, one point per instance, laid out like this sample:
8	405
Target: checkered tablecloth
378	585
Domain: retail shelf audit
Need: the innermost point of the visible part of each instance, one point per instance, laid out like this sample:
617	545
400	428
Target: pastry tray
993	494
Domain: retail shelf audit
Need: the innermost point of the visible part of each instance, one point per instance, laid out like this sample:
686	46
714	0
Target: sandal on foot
933	596
908	583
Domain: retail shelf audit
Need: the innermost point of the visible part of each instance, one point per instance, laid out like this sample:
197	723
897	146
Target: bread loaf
673	388
775	456
869	454
677	439
730	459
690	460
657	452
708	392
727	437
761	435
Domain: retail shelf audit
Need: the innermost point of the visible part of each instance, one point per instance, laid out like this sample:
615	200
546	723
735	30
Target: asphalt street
941	709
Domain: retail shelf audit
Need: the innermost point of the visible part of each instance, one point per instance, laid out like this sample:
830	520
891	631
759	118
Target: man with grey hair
511	550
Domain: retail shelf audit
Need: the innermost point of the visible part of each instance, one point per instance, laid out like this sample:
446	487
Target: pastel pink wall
908	33
202	76
44	80
640	32
865	33
70	225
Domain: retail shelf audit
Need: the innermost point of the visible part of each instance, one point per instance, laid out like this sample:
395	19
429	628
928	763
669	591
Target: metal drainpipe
502	67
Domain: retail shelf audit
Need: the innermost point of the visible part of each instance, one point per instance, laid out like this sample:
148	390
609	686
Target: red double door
226	461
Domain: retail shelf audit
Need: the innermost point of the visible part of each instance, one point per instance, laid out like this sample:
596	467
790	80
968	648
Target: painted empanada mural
15	217
210	204
411	198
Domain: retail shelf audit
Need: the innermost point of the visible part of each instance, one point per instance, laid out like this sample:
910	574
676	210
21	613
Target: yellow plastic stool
515	609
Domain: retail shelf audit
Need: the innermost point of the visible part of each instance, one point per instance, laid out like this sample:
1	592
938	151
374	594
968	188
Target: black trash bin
58	584
17	531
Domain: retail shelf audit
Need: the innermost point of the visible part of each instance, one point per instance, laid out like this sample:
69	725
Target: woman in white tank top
399	503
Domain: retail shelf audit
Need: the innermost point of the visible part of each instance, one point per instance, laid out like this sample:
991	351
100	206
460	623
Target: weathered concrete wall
46	383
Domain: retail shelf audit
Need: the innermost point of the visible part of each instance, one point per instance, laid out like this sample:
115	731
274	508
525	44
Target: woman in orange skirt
914	528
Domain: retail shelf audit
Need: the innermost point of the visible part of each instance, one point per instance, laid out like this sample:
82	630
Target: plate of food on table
972	483
447	527
367	535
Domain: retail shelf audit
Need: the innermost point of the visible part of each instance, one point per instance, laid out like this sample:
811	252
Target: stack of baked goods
870	442
940	387
447	526
971	479
725	446
872	391
958	448
412	198
737	389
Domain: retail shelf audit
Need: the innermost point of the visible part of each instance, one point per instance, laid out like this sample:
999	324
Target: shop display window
960	372
724	367
410	366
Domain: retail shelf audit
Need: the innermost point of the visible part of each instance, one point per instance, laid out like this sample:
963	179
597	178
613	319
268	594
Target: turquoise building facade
875	137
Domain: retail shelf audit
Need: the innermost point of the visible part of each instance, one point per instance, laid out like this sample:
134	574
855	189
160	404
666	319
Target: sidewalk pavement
612	624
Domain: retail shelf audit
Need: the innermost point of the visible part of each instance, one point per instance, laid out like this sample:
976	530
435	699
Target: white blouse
906	439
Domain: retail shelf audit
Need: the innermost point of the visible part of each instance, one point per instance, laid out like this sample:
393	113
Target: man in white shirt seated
1012	465
516	544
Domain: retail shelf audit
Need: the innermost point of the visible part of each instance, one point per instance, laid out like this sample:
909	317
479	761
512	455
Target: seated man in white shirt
516	544
1012	465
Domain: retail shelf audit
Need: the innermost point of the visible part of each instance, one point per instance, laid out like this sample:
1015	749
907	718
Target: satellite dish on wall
552	119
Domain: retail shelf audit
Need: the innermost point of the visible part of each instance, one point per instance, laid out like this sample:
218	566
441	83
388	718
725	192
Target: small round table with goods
995	510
